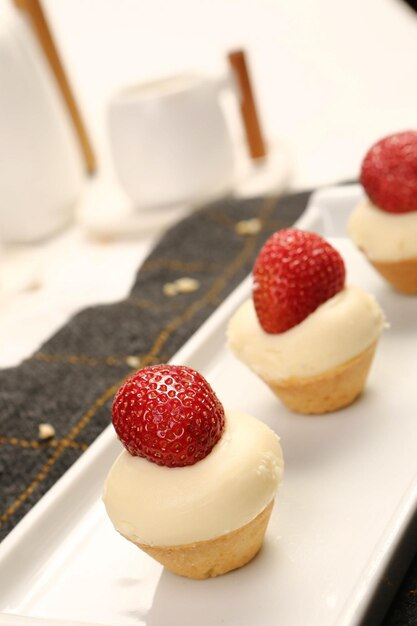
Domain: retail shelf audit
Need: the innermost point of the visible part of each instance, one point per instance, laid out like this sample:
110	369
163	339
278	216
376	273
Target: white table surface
331	77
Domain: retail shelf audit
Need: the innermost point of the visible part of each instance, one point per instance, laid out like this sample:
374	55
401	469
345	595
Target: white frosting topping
164	506
334	333
383	236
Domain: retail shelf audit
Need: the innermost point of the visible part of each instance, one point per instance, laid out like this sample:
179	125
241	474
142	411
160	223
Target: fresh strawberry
389	173
168	414
294	273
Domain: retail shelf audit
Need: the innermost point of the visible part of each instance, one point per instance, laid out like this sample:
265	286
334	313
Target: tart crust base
329	391
206	559
402	275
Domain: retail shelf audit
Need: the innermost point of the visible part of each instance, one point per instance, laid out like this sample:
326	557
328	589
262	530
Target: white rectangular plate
348	495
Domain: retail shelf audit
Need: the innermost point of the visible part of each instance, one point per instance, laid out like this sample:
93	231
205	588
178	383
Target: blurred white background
330	76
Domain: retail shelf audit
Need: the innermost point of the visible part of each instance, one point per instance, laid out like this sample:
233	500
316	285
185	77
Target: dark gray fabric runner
71	380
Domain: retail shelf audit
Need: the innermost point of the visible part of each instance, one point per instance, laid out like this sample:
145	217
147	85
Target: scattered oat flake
249	227
133	361
46	431
170	289
186	285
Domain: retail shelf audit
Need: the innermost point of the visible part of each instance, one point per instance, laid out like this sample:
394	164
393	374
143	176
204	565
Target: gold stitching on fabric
64	358
79	359
33	485
221	218
142	303
32	443
41	475
22	443
182	266
154	308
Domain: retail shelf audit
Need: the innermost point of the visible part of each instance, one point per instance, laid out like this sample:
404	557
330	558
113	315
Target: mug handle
250	117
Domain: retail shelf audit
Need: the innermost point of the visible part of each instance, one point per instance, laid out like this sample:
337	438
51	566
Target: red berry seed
294	273
168	414
389	173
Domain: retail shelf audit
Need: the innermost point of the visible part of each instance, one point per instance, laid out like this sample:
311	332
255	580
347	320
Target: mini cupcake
310	337
195	486
384	224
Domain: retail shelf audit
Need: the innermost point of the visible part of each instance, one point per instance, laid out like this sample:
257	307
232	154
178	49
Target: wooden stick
40	26
250	116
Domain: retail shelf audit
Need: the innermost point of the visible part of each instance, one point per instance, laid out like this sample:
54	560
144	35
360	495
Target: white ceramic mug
40	165
170	141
